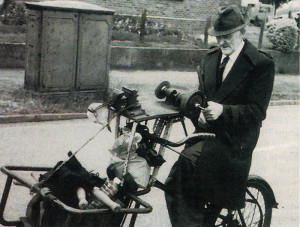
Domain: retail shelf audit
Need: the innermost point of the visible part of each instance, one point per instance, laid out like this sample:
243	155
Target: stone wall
188	16
186	59
194	9
13	56
153	58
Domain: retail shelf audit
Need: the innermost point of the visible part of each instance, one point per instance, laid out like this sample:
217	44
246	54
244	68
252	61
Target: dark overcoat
222	165
245	95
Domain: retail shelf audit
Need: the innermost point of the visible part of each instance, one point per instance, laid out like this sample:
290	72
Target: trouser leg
211	215
183	209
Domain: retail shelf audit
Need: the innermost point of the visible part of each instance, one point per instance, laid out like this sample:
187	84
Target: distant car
258	12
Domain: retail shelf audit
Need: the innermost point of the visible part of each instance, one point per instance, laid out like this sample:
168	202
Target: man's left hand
213	111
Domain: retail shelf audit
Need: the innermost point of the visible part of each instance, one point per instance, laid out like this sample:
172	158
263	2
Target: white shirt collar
232	59
236	53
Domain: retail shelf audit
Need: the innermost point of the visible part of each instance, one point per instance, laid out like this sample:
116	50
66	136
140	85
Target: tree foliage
282	33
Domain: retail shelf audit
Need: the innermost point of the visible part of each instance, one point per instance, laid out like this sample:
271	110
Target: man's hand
213	111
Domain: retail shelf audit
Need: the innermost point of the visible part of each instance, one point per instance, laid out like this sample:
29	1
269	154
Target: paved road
43	144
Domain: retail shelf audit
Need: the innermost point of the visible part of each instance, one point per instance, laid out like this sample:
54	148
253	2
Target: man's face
229	43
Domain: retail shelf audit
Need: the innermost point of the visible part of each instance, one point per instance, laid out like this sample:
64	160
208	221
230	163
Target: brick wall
185	15
230	2
165	8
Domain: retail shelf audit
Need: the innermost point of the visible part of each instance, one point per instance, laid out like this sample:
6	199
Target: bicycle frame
164	117
164	121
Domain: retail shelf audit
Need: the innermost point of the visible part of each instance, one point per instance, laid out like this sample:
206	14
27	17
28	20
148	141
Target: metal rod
184	126
161	151
117	129
242	218
133	130
3	204
130	201
134	216
17	177
27	168
199	106
183	155
147	207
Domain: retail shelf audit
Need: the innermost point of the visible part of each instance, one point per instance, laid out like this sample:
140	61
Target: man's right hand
202	121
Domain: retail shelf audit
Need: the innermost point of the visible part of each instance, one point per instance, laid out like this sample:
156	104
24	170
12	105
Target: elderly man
238	81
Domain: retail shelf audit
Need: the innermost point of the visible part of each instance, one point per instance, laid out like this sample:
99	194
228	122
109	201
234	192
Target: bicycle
260	199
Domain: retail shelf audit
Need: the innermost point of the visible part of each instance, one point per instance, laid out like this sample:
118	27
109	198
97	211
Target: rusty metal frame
10	171
162	125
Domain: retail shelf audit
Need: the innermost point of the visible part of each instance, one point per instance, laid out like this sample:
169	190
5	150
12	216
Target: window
261	9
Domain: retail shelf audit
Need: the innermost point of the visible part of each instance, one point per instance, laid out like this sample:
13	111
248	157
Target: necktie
221	71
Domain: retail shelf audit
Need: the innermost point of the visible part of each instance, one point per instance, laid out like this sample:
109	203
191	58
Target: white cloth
232	59
137	167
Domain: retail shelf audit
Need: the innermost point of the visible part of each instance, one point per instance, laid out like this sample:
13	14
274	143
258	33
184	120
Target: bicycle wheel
257	211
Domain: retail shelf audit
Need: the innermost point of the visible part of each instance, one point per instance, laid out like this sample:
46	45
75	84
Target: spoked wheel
257	211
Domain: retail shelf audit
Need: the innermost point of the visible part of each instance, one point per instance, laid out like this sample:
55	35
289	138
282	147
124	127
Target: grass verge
14	99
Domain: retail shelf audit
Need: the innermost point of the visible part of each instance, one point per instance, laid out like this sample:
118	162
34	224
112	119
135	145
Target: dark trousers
184	206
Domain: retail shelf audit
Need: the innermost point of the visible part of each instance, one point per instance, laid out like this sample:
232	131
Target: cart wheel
257	210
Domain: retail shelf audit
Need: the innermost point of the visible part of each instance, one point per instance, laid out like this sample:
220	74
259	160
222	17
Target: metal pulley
190	104
164	90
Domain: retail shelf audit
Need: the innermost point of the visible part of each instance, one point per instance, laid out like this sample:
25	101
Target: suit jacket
245	94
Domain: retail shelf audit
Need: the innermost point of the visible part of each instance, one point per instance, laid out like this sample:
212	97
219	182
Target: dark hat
230	19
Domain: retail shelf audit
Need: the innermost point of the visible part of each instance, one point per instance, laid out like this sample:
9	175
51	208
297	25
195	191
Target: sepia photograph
149	113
